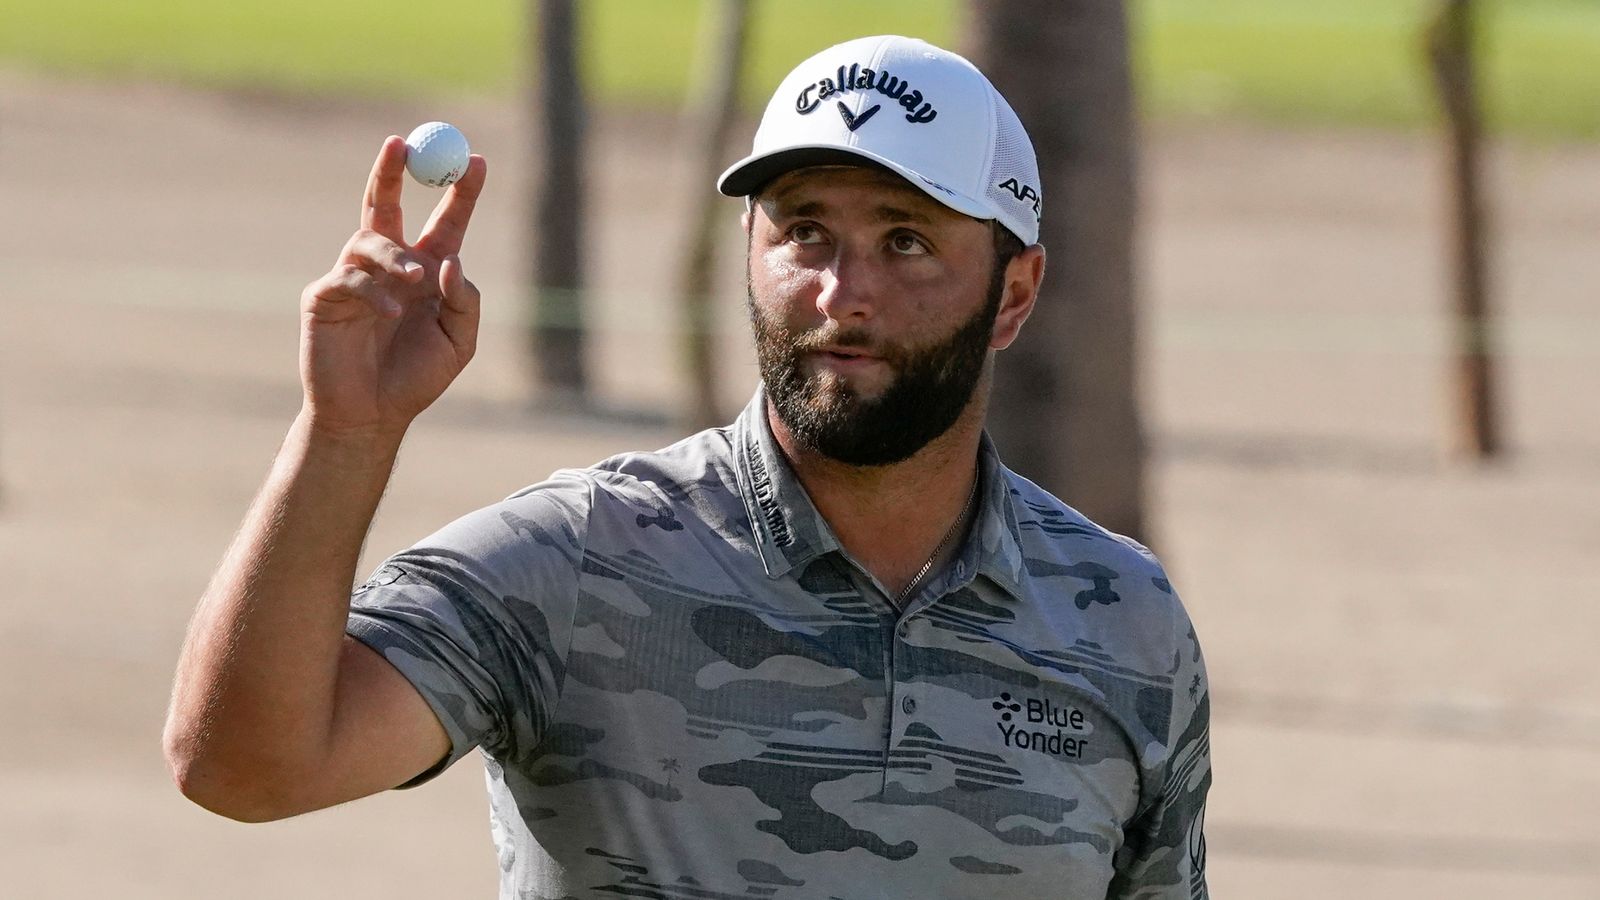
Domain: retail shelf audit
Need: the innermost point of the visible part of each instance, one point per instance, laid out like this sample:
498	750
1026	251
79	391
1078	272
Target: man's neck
891	519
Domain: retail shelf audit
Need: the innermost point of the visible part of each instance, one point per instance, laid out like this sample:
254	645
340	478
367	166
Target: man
835	649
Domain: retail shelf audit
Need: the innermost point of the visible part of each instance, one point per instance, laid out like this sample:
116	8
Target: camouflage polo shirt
684	688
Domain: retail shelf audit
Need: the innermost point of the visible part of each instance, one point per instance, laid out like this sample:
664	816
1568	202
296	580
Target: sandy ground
1401	648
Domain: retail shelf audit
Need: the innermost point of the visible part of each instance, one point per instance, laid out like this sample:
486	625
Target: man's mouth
844	353
844	358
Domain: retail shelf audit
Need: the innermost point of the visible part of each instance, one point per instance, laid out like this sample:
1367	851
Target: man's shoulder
694	471
614	501
1049	529
694	459
1108	586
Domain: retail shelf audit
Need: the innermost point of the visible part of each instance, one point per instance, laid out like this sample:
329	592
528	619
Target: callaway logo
860	78
1066	725
1023	192
853	122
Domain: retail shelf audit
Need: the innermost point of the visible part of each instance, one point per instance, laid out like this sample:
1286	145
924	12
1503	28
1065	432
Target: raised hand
392	324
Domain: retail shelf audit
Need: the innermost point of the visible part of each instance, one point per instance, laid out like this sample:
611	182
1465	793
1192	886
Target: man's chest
802	723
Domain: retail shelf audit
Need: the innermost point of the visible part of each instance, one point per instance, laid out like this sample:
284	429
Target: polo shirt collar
789	532
996	538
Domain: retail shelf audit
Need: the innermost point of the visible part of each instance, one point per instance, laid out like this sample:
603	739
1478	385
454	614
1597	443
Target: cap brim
747	176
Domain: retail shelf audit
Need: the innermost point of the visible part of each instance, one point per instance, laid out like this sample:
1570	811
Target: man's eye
908	244
805	234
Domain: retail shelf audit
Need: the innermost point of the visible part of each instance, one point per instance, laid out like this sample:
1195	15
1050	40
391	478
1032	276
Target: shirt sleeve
478	617
1164	852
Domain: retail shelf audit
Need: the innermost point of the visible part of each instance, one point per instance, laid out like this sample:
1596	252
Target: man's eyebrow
803	210
896	214
880	215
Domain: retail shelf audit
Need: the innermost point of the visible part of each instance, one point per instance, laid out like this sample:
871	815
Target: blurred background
1322	329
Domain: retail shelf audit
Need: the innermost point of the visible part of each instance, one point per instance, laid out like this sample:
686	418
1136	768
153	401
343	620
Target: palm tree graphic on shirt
669	766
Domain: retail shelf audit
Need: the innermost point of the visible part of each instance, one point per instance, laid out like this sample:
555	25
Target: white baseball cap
924	113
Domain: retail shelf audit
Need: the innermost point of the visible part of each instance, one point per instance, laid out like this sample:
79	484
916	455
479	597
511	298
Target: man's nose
851	286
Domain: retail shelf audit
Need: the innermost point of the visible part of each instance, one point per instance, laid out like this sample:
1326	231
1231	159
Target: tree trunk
1065	411
1450	50
721	53
559	221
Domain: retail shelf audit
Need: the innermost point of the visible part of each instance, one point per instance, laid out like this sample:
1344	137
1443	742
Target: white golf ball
436	154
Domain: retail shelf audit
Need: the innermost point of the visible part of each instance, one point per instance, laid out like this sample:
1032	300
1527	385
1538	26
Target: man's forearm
255	687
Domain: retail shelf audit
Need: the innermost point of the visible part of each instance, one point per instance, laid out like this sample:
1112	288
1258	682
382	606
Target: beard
930	388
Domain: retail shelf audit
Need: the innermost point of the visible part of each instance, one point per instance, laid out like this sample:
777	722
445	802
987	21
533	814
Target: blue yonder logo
1006	706
1046	727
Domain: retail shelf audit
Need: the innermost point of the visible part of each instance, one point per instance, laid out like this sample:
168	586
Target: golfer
834	649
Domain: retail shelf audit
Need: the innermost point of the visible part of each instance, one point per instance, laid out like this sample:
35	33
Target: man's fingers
380	207
346	293
378	253
458	315
446	228
459	293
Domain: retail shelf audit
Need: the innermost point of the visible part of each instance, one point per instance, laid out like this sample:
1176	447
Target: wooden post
1065	411
1451	52
721	51
558	204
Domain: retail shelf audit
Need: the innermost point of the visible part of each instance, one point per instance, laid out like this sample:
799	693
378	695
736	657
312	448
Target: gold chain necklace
899	601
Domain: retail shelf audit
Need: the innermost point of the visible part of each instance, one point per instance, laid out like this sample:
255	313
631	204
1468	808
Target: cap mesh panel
1014	159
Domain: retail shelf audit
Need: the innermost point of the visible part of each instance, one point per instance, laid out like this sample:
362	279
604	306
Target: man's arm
274	710
1164	854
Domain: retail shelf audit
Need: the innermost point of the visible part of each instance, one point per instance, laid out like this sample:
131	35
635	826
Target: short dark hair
1007	246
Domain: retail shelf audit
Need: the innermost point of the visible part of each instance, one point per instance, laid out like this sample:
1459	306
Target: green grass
1361	61
375	46
640	50
1356	61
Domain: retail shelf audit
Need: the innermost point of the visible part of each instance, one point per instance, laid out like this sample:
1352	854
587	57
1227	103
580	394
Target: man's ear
1024	273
